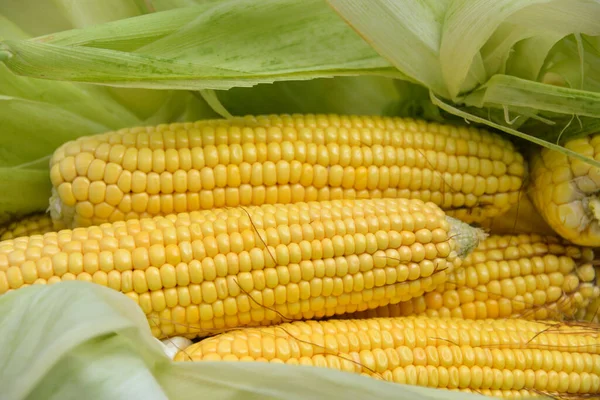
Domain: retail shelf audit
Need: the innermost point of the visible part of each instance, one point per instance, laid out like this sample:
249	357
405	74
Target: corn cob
193	273
502	358
33	224
565	190
182	167
524	276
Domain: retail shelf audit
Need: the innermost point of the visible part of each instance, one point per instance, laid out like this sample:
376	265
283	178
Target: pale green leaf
503	90
547	24
213	101
23	191
38	18
23	120
82	13
365	95
152	52
67	96
406	32
467	26
565	65
163	5
70	338
528	56
106	367
470	26
42	325
140	31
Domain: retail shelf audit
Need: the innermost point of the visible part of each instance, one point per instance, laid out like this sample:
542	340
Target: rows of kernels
34	224
152	171
529	276
506	394
506	355
562	188
118	206
224	266
320	129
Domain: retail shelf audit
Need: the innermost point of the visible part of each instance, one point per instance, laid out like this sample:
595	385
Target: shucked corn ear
182	167
565	190
524	276
507	358
195	273
33	224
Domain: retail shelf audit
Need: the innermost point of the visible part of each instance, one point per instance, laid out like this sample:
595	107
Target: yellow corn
501	358
34	224
148	171
565	190
195	273
525	276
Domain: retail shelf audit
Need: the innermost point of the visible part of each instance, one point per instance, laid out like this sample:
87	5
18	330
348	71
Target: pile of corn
388	247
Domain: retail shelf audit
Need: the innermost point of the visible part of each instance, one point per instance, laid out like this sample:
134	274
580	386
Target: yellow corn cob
193	273
565	190
502	358
182	167
525	276
33	224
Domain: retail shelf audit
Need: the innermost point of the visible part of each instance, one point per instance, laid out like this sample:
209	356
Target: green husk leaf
366	95
213	101
41	116
23	191
504	90
417	23
469	25
490	54
567	61
152	52
38	18
70	338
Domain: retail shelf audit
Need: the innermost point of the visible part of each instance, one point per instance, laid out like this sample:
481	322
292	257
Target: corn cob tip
466	237
565	190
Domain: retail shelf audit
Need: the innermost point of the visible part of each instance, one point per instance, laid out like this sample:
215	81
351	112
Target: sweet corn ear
565	190
507	358
510	276
182	167
197	273
34	224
